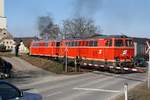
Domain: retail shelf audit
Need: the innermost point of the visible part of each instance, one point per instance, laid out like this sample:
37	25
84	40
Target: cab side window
95	43
109	43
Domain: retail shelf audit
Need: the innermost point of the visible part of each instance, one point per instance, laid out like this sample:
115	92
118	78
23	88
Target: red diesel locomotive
113	52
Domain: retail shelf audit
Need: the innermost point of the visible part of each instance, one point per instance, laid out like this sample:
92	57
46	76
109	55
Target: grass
44	63
50	65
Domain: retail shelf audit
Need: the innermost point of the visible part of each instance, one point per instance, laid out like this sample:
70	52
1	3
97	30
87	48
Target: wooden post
66	62
75	64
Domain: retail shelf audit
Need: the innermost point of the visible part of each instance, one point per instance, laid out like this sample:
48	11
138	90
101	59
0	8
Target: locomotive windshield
119	43
123	42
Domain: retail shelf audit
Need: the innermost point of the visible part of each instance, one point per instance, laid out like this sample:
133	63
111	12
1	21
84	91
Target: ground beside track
72	87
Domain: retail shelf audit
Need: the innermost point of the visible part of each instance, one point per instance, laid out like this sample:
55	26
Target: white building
23	49
5	37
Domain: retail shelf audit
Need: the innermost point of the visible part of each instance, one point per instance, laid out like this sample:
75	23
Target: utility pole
148	52
149	71
126	91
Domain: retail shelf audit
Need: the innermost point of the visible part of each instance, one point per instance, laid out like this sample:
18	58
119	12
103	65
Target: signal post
148	51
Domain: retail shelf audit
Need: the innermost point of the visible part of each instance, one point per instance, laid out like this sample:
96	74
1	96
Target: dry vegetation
6	54
140	92
44	63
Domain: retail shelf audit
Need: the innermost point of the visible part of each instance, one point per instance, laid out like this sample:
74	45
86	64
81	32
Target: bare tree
79	27
47	28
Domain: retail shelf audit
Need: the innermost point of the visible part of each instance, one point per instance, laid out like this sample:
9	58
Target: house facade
6	39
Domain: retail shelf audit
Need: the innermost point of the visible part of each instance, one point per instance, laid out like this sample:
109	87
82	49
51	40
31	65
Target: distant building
25	43
6	39
26	40
140	46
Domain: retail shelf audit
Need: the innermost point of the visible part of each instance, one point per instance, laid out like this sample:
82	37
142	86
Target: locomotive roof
98	37
109	36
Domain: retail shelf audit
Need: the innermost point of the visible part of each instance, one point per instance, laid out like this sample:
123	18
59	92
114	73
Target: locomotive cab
123	51
124	48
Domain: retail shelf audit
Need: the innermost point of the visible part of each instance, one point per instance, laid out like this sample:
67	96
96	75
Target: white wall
3	22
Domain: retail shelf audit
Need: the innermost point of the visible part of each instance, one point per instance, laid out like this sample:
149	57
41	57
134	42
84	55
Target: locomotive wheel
111	70
116	71
122	71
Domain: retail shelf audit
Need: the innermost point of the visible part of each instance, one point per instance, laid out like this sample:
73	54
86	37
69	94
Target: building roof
26	40
141	40
5	34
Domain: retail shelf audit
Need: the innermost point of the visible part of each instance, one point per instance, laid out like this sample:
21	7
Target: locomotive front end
123	52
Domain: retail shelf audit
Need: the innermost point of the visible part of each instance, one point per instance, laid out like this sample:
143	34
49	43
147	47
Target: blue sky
130	17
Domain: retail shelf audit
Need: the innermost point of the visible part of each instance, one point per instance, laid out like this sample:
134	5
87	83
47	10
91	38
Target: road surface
89	86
